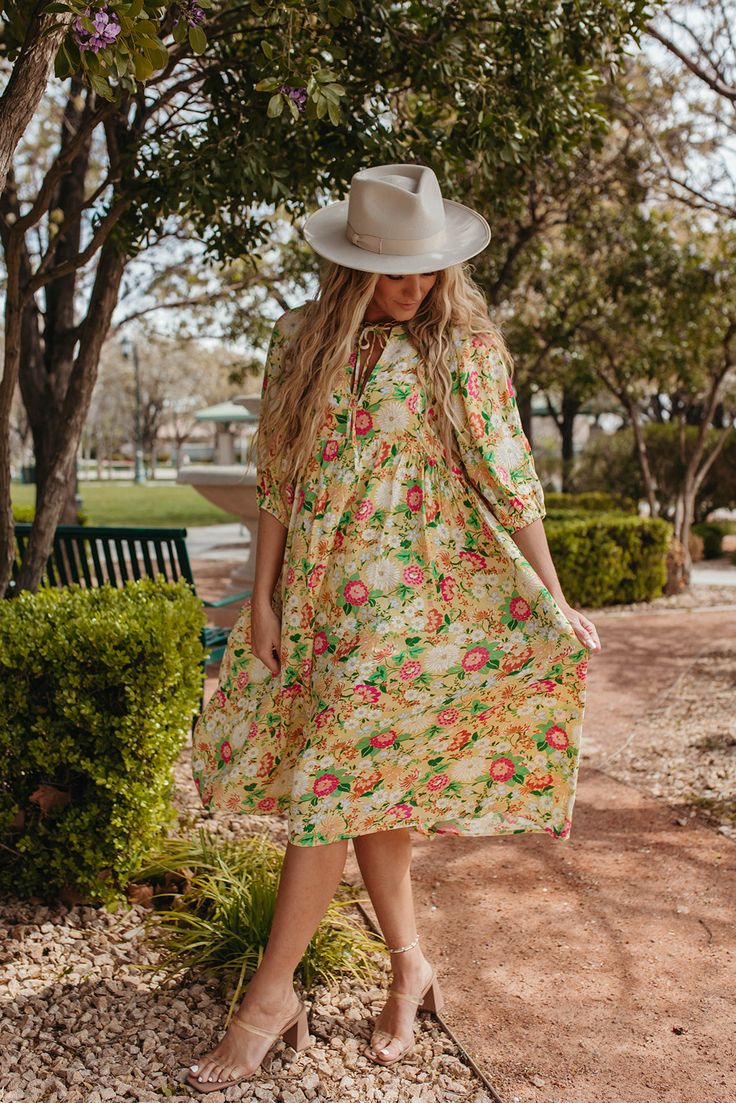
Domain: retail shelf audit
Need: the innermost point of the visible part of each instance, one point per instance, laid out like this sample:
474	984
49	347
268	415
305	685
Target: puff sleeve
494	448
272	493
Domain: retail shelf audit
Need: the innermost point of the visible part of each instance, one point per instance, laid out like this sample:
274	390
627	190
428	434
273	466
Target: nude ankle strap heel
430	999
295	1033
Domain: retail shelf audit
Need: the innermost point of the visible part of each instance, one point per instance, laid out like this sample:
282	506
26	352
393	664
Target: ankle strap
406	996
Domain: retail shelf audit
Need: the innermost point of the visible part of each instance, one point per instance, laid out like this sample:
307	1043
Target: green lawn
155	504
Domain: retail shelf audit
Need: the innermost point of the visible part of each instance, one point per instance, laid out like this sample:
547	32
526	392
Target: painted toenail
194	1068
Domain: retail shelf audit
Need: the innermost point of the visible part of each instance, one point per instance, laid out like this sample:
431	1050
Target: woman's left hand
585	630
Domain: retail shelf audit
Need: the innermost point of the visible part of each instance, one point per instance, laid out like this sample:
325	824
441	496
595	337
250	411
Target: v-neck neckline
393	329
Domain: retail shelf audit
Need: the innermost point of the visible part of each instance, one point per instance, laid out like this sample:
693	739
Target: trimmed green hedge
609	558
26	515
97	693
712	533
592	501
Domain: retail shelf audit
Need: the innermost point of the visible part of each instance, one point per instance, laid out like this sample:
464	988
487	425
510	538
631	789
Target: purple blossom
192	13
107	29
298	95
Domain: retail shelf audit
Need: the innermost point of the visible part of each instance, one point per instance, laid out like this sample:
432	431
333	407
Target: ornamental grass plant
213	907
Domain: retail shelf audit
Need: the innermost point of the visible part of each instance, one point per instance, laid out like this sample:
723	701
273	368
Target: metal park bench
92	555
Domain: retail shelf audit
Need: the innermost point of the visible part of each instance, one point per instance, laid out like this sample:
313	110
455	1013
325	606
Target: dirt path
643	656
601	969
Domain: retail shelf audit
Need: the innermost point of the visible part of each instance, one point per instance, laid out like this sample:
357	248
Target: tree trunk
50	503
524	404
48	354
684	517
28	80
13	325
643	457
570	409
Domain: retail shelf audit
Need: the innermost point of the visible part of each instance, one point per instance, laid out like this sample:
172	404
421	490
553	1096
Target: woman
407	659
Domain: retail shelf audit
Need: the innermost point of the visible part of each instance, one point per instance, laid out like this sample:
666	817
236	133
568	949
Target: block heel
297	1035
433	998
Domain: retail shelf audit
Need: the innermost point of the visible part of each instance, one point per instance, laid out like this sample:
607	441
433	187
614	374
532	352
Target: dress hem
561	834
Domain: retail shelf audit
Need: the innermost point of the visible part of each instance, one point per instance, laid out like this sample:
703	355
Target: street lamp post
126	347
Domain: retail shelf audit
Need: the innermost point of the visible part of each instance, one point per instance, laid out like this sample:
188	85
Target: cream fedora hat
396	222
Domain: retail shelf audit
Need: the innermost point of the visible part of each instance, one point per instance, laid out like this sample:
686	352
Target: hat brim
466	234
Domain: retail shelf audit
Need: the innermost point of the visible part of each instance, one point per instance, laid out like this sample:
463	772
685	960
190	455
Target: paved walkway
218	542
599	970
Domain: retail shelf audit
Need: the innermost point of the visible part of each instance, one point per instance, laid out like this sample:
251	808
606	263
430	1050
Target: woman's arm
532	543
265	622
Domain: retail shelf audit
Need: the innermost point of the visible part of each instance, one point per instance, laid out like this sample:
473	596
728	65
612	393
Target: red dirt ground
601	969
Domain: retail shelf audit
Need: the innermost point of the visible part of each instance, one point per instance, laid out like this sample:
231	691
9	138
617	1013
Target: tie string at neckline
367	328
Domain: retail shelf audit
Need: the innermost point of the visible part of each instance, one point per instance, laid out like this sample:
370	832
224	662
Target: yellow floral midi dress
428	678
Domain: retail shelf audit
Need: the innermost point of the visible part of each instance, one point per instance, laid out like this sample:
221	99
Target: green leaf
62	64
158	57
267	85
275	105
143	67
197	40
101	87
148	42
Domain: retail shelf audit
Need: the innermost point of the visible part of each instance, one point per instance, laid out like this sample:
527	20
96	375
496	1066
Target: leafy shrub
609	558
221	897
712	533
26	514
592	501
97	692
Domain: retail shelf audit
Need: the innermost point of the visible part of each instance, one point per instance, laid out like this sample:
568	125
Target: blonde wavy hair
315	359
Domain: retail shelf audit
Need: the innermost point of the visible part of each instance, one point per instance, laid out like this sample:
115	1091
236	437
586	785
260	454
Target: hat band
396	246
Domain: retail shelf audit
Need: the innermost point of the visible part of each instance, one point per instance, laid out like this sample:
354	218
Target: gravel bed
695	597
80	1022
684	750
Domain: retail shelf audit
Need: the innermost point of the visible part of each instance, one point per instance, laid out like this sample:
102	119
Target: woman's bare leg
384	859
309	878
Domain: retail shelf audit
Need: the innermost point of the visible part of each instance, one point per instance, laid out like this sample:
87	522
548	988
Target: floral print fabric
428	677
